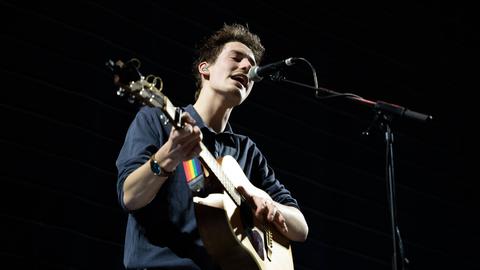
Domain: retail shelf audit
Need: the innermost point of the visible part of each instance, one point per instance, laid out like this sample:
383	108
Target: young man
155	162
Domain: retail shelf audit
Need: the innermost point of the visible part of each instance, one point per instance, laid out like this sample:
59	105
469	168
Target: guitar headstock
146	90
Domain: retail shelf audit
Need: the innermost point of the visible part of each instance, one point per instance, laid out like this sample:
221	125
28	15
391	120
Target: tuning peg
165	119
120	92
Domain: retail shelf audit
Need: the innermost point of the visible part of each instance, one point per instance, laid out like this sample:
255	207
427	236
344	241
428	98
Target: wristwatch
157	169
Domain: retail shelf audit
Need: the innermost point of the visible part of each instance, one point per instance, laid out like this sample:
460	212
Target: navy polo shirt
164	233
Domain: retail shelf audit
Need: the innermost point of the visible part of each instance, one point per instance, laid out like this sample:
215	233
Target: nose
245	64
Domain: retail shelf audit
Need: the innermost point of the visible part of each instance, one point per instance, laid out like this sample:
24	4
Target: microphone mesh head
252	74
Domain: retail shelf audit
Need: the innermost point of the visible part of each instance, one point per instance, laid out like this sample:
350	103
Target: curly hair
211	47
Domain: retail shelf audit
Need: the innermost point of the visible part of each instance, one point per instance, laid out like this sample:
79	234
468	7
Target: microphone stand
384	113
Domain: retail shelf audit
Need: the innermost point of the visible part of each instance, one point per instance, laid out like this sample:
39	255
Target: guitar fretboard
210	162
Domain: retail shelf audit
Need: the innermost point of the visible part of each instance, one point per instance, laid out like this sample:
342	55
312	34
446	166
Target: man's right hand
182	144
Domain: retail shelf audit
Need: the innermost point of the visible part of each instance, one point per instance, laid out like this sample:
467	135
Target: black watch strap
157	169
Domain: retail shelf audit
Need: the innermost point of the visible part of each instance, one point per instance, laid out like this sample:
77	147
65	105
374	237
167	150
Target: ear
203	68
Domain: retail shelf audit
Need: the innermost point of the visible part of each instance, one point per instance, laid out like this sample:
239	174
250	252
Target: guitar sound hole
257	243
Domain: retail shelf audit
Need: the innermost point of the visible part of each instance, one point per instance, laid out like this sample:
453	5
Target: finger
197	131
248	199
196	150
262	209
194	153
186	143
186	134
186	130
187	118
192	130
272	213
281	226
241	190
191	149
280	222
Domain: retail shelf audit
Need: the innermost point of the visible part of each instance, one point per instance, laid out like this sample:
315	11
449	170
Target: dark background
63	125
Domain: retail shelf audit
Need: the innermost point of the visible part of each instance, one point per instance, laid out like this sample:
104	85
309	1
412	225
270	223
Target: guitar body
231	234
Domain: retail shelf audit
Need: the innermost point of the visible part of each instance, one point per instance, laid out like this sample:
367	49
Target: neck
213	111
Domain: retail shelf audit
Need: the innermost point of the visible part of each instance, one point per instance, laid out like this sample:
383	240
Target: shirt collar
228	132
199	121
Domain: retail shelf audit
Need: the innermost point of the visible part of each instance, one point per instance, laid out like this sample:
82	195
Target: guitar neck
211	163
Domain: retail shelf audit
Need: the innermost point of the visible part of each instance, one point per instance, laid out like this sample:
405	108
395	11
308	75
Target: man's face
228	75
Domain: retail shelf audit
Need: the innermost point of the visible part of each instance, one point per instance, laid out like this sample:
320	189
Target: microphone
256	73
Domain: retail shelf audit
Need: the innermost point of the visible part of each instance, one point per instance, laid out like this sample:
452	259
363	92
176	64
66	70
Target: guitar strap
194	174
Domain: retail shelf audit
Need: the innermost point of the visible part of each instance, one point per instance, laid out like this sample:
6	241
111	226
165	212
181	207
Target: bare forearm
288	219
140	187
296	223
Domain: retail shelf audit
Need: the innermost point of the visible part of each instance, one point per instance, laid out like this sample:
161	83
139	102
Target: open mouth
241	78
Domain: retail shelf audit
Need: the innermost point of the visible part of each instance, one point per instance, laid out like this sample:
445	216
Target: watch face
157	170
155	167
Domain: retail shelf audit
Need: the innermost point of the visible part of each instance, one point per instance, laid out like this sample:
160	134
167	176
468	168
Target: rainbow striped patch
192	168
